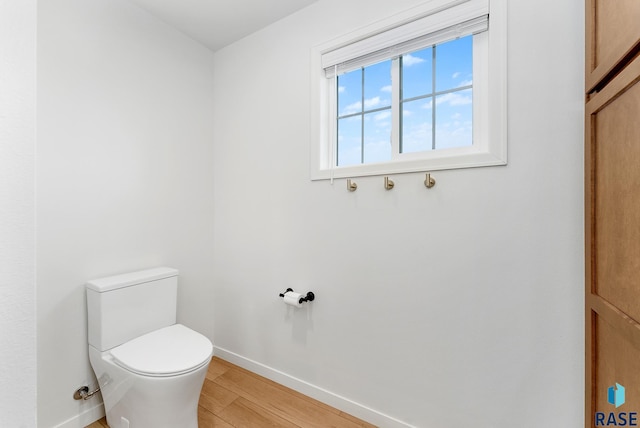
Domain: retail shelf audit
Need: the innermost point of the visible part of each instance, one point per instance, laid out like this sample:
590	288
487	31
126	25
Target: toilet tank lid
128	279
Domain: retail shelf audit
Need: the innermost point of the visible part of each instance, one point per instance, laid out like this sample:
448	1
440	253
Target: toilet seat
170	351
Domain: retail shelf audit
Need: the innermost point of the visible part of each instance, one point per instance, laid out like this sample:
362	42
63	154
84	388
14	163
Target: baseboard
86	417
313	391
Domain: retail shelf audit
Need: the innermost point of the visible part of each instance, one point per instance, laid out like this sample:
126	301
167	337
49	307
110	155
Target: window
434	99
423	93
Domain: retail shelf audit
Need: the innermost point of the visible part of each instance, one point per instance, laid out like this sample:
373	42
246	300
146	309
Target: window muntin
364	112
443	72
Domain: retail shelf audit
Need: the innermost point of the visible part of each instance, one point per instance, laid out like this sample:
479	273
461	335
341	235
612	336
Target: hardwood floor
102	423
234	397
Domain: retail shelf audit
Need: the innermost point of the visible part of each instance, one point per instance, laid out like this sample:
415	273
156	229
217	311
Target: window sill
437	160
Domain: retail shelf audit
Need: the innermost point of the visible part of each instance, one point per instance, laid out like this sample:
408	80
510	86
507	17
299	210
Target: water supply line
83	393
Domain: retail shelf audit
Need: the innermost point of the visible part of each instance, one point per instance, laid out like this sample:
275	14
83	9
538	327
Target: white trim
341	403
395	108
441	160
432	30
429	7
491	150
498	132
84	418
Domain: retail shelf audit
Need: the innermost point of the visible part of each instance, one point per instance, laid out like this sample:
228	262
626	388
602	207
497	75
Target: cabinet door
613	33
612	235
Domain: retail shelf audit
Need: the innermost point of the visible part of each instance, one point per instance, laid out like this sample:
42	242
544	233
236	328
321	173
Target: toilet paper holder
310	297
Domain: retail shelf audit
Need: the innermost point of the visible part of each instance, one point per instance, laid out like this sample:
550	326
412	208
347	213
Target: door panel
617	201
617	361
612	237
614	32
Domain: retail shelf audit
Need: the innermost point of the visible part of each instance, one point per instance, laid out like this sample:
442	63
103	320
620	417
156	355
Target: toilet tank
123	307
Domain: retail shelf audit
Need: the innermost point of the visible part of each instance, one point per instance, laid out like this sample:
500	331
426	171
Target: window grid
397	102
433	95
360	113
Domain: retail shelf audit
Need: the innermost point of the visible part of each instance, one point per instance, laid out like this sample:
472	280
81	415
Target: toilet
150	370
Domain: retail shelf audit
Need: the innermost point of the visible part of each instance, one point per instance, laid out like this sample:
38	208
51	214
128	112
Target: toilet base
135	401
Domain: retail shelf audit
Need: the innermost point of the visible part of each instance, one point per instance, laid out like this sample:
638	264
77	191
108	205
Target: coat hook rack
388	184
351	185
429	181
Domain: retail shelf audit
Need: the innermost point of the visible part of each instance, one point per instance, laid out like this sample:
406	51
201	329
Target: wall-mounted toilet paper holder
310	297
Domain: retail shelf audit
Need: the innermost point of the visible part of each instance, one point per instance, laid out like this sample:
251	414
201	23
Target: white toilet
150	369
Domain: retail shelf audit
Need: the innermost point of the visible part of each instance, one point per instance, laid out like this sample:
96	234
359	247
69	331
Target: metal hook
388	184
351	186
429	181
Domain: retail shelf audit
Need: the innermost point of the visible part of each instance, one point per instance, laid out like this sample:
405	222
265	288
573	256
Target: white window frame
489	87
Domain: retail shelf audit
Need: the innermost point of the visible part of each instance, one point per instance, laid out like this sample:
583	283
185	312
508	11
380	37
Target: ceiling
218	23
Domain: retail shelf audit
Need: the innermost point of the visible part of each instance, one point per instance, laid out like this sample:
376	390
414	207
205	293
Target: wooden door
612	38
612	213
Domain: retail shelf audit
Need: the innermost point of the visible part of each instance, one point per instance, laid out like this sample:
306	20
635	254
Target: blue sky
453	109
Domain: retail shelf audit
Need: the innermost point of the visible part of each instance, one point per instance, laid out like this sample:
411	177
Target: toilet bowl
150	369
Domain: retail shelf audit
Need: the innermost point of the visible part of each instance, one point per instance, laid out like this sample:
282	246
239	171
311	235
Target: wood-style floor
234	397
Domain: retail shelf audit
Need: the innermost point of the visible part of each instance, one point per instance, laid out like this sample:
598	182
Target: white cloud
428	104
383	115
386	88
455	98
409	60
456	75
417	138
377	151
341	89
452	135
371	102
352	108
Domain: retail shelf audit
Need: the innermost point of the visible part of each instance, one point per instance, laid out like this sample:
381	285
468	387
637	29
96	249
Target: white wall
456	306
487	328
125	162
17	213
